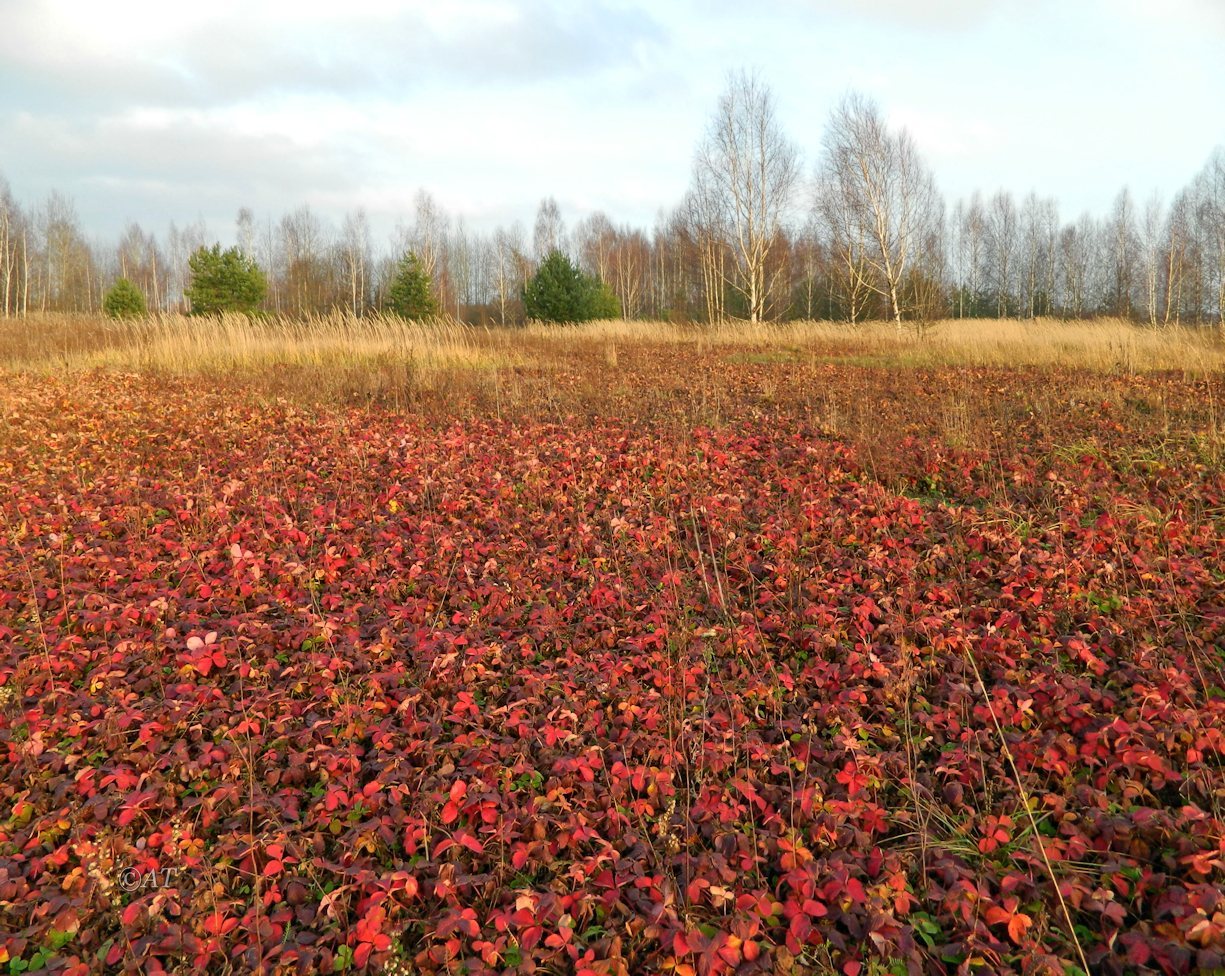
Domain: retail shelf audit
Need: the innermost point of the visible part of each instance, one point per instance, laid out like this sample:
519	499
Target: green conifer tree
560	292
411	293
123	300
224	281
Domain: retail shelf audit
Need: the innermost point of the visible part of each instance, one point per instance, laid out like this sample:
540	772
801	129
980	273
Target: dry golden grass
180	344
328	356
1112	345
972	384
339	356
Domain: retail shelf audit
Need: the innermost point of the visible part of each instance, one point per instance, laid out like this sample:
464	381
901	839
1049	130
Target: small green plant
56	940
1103	603
124	300
532	782
926	929
36	962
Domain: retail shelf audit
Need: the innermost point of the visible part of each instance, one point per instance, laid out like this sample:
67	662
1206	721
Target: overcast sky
155	111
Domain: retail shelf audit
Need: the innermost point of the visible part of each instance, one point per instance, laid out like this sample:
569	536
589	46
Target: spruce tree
560	292
411	293
123	300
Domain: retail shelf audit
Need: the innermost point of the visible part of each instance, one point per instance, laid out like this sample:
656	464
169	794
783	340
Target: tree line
862	233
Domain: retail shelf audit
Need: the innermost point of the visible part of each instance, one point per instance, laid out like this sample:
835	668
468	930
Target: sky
151	112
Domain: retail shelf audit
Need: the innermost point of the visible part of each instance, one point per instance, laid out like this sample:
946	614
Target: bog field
360	647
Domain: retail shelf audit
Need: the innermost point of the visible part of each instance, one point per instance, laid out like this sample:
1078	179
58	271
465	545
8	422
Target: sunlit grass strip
1106	344
180	344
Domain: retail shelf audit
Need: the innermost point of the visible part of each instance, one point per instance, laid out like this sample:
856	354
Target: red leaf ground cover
360	690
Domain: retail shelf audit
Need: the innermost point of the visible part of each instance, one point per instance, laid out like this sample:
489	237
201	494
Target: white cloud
958	15
492	104
95	54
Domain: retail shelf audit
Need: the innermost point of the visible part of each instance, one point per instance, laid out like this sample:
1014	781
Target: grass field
370	647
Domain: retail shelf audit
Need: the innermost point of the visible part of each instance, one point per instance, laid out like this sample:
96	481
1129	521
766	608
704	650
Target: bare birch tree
1122	247
631	262
427	238
969	227
355	259
593	239
549	233
1152	234
304	246
747	170
508	259
1175	256
838	212
10	226
244	225
1002	239
1039	220
701	221
888	191
461	270
1210	215
140	261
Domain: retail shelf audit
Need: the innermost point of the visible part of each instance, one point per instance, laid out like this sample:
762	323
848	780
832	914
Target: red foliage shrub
519	696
